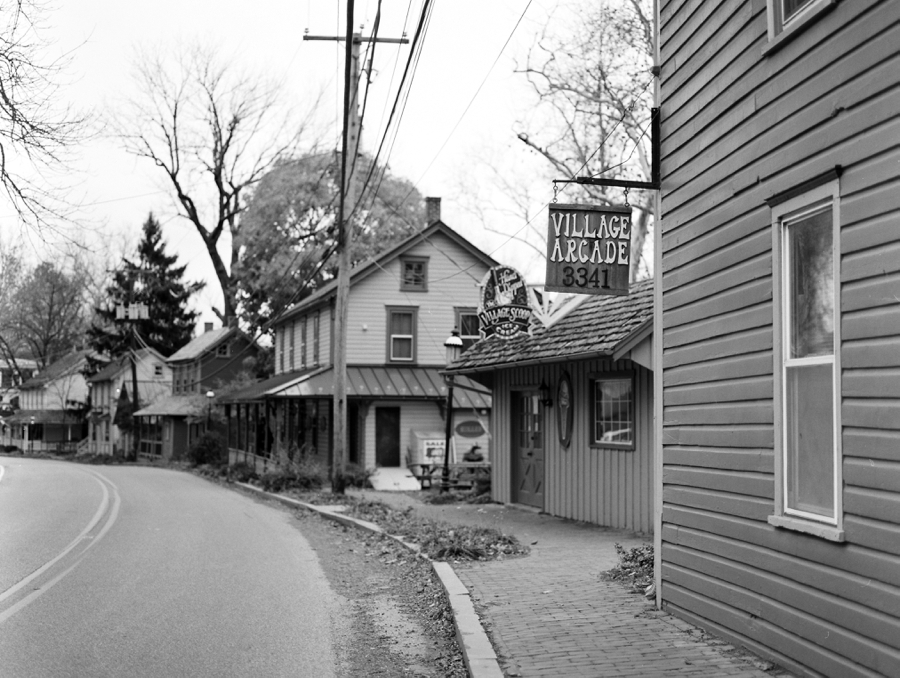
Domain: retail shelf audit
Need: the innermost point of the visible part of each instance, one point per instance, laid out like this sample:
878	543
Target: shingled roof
596	327
68	364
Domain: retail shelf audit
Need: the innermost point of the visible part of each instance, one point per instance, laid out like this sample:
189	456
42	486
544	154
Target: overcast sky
464	40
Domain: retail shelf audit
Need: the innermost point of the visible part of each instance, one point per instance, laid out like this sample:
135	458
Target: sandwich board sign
588	249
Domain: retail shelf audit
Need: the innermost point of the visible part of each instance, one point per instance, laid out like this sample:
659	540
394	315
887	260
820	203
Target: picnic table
462	473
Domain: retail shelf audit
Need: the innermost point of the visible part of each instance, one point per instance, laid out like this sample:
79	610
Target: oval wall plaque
470	429
565	408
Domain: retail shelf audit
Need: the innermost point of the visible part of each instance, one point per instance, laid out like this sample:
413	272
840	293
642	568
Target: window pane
811	285
612	411
790	7
413	274
401	348
401	323
810	439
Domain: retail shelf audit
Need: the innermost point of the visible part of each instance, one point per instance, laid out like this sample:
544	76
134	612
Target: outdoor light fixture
209	396
546	399
454	345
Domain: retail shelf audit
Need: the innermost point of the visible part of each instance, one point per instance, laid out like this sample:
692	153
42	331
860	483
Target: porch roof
42	417
599	326
371	382
175	406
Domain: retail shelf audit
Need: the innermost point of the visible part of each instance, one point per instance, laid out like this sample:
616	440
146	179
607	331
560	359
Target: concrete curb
478	653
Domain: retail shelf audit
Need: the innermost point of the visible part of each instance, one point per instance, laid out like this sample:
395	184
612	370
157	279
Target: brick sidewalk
549	614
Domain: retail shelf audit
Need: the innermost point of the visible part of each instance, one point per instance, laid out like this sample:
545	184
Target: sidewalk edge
478	653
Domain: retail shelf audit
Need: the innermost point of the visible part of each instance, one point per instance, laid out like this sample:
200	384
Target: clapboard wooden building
780	321
402	306
573	410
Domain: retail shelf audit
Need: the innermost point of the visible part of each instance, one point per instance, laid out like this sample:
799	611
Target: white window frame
780	31
467	310
784	213
413	311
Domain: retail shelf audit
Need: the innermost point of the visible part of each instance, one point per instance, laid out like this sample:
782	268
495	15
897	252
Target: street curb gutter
478	653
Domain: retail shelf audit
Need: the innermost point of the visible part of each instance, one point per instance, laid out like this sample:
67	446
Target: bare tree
48	313
213	132
35	129
592	74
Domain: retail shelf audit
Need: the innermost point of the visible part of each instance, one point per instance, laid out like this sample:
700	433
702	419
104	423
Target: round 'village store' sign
504	309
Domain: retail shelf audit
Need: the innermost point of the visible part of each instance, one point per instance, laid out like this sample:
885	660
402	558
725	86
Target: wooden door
387	436
528	449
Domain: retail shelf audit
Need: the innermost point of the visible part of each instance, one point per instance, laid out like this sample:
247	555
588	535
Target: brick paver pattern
551	614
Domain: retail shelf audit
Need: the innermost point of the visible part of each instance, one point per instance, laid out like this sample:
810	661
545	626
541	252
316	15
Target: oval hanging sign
470	429
504	309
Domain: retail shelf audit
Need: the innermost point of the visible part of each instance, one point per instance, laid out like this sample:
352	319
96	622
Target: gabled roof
68	364
369	267
200	345
114	368
600	326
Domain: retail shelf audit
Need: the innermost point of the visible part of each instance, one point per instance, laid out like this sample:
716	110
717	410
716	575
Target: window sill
626	447
413	289
793	30
828	532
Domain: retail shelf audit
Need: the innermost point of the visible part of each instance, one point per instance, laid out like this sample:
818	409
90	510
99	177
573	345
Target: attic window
223	350
414	274
157	370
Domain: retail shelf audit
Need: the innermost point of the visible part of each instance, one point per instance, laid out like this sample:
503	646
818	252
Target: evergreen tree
152	279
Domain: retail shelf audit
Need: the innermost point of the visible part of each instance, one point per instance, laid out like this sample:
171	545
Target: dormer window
414	274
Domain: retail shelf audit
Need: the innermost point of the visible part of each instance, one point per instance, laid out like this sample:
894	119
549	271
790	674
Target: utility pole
349	198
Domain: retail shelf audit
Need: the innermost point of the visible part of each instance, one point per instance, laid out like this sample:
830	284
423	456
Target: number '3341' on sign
588	249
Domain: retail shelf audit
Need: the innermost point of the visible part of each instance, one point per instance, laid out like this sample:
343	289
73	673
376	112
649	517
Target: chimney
207	327
432	210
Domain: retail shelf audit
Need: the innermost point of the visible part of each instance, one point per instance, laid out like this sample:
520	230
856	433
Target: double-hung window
807	370
303	343
291	347
468	325
315	339
401	322
612	410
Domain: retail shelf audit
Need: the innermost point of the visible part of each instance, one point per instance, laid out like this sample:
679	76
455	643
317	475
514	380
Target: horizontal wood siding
453	278
605	486
423	416
739	127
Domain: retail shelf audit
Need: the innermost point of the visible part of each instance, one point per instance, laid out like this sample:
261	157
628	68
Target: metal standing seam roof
397	383
596	327
42	417
174	406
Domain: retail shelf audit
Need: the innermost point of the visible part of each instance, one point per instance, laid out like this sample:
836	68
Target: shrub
240	472
209	448
305	474
356	476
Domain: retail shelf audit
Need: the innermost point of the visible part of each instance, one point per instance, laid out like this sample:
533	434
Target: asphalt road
131	571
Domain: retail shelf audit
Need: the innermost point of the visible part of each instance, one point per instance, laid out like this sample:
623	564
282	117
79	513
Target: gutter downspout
657	339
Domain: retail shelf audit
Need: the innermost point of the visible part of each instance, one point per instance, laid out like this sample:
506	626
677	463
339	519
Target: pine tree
152	279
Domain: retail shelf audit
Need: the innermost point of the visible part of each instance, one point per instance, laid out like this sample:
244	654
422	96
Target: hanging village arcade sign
588	249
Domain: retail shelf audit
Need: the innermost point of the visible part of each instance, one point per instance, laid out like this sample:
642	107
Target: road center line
111	519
